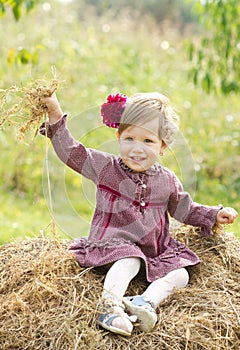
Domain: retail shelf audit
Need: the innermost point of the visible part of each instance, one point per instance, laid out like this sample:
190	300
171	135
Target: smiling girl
135	196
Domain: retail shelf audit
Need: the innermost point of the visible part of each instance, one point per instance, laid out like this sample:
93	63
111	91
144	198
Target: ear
117	135
163	147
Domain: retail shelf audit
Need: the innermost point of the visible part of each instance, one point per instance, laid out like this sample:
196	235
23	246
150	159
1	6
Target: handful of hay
23	106
49	302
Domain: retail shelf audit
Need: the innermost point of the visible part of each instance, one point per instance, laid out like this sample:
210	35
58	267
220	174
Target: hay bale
49	302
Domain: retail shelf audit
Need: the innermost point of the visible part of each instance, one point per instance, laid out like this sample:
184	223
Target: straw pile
23	106
49	302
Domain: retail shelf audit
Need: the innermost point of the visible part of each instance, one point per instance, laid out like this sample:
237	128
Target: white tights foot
122	322
114	319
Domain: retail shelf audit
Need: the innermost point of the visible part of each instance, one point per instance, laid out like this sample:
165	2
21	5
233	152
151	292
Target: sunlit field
93	56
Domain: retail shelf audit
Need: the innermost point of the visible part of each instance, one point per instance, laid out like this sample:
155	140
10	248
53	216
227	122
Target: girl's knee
130	263
181	277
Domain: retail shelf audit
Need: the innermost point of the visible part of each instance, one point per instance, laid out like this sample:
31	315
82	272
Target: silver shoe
143	308
107	313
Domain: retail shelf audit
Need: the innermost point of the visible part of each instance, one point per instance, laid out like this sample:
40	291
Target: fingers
50	100
226	216
232	214
227	220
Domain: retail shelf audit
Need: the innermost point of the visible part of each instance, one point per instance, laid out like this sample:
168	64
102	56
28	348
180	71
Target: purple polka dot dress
131	218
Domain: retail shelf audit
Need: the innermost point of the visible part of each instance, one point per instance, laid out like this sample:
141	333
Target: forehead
148	128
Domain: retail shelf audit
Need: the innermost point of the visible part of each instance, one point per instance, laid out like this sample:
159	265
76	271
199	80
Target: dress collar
153	170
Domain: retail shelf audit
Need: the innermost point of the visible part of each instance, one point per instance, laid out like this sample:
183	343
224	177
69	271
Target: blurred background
188	50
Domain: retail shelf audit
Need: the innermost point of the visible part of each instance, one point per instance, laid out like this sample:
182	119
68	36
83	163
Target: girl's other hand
226	215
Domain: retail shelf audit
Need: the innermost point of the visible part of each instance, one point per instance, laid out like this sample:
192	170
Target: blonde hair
144	107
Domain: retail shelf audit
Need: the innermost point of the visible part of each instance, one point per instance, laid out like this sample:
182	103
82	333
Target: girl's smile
140	146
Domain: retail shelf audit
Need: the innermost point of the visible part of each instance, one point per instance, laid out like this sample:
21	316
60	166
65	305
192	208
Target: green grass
94	56
20	218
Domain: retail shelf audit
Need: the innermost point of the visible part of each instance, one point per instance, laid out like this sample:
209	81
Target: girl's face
140	146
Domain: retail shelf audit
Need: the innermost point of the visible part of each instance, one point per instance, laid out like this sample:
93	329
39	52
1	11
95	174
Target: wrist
54	116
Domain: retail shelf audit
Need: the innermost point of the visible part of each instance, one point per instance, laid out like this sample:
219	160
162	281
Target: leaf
195	76
190	51
24	56
2	9
200	56
17	11
206	82
11	56
228	47
30	4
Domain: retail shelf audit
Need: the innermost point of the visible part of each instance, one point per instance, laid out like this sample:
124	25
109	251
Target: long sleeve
183	209
86	161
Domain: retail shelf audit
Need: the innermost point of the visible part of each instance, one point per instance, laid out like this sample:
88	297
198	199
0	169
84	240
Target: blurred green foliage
215	56
177	11
18	7
94	55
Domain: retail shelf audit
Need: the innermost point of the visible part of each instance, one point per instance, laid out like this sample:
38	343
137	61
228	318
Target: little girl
135	196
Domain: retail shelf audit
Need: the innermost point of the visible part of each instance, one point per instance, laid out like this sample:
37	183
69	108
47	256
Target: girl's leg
115	285
163	287
118	278
143	306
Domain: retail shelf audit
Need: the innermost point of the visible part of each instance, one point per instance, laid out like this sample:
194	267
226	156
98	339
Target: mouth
137	159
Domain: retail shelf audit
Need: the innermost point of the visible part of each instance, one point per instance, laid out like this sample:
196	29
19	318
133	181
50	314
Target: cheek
154	152
123	148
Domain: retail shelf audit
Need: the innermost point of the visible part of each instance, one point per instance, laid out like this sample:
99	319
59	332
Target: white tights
123	271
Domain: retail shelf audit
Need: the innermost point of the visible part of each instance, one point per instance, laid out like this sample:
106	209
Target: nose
137	147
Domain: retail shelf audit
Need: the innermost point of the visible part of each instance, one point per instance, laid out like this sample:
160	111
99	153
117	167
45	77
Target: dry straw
49	302
23	106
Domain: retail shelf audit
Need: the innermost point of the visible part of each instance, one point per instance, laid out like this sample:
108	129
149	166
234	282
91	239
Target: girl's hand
226	215
54	109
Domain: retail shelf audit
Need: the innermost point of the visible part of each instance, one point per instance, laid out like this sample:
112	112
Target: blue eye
129	139
148	141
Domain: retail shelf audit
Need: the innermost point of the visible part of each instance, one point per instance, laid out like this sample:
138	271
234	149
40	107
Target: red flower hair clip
112	110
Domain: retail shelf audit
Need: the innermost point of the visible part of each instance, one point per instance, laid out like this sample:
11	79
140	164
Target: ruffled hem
176	256
99	253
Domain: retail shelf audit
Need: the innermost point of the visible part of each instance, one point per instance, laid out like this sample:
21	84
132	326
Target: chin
138	168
